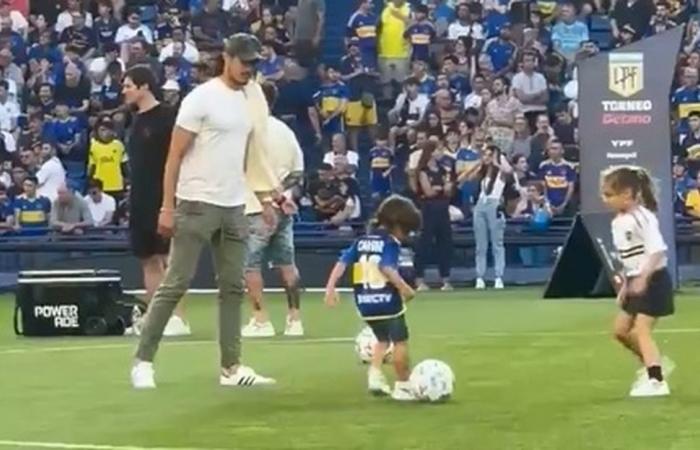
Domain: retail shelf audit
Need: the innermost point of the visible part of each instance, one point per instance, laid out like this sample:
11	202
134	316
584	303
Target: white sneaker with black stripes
244	377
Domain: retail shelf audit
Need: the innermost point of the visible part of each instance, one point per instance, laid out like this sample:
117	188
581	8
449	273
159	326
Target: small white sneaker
668	366
176	327
650	388
294	328
447	287
244	377
422	287
403	392
376	383
498	284
255	329
480	284
142	376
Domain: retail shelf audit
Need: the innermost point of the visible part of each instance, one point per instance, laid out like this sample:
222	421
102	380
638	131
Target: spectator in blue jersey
559	178
459	83
363	26
65	129
18	45
381	161
466	159
178	70
111	91
7	212
31	210
331	101
426	82
105	25
79	36
420	34
45	49
686	98
362	81
569	33
501	51
271	66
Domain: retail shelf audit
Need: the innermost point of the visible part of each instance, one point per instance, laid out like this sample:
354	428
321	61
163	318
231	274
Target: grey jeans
196	224
489	226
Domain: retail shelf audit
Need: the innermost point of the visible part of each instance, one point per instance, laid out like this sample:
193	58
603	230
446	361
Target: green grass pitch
532	374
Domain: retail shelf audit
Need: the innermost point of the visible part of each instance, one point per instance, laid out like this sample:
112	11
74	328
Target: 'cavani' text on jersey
637	236
375	297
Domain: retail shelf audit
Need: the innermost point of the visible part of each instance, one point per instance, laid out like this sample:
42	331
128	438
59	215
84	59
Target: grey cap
243	46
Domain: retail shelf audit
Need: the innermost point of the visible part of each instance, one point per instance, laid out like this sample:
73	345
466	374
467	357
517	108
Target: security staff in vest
435	189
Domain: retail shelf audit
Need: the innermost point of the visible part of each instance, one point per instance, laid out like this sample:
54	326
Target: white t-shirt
9	112
496	192
65	20
212	171
352	157
191	53
530	85
636	235
19	22
286	157
457	30
126	33
10	142
51	176
99	211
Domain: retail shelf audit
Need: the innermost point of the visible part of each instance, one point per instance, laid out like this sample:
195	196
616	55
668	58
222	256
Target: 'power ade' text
64	316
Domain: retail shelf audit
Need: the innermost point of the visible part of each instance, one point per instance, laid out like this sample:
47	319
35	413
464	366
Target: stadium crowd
423	88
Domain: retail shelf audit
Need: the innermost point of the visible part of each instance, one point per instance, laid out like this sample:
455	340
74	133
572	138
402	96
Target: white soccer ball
432	380
364	346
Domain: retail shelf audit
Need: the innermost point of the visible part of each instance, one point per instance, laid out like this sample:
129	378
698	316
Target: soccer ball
432	380
364	346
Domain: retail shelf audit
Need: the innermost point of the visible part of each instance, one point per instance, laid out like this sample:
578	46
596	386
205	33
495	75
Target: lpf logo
64	316
626	73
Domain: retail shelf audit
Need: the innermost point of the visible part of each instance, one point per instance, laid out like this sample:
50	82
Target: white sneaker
255	329
403	392
294	328
667	368
480	284
650	388
447	287
498	284
376	383
176	327
244	376
142	376
422	288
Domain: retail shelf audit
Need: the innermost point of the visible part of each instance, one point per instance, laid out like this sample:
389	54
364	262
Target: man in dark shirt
75	90
636	13
211	25
148	149
81	37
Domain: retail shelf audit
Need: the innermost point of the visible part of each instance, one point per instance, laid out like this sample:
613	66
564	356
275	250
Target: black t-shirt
147	148
83	39
74	95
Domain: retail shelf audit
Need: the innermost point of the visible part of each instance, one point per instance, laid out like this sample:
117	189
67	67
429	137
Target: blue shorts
390	330
274	246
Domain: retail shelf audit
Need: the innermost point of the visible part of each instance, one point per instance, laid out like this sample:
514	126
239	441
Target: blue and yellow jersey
363	27
381	159
32	213
420	35
329	98
557	177
375	297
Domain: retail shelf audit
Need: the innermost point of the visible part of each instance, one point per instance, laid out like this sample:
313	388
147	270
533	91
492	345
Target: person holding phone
491	173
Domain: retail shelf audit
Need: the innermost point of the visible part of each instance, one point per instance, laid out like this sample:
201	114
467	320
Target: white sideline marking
78	348
332	340
63	445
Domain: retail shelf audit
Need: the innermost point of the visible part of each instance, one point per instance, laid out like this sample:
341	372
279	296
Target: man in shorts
148	148
275	246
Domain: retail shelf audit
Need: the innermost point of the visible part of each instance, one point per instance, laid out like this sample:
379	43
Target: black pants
436	237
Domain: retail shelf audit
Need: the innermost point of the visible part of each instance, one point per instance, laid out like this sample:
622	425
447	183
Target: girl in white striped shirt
645	287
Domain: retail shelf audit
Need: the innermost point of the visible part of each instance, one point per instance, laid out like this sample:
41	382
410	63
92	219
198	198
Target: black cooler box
72	303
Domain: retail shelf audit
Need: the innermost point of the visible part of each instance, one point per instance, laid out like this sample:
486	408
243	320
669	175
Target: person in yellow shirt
393	48
692	200
107	159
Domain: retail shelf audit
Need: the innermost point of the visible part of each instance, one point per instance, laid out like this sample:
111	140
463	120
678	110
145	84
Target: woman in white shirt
488	215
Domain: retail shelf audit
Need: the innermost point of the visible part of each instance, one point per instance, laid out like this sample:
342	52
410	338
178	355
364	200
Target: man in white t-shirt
219	151
51	175
9	109
102	206
339	151
65	19
132	30
275	246
530	87
464	25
